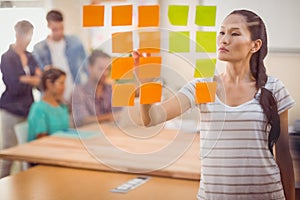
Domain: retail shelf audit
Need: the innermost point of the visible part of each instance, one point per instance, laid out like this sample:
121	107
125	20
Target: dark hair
97	54
23	27
267	101
54	15
52	74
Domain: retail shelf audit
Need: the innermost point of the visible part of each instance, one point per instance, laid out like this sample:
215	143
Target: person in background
20	74
49	115
91	102
244	125
63	51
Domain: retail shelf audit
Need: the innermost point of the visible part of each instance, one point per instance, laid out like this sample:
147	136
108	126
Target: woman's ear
256	46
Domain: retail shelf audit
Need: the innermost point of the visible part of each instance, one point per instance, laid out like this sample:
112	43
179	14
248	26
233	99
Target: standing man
62	51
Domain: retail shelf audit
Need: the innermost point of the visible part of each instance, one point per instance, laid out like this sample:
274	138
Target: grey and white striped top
235	160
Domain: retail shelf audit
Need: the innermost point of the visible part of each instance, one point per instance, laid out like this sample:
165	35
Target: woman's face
58	87
234	39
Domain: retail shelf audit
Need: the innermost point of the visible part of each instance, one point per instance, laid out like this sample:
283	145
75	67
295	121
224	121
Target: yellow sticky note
150	93
148	16
149	42
205	15
206	41
121	15
92	15
205	92
122	42
178	15
123	95
179	41
205	68
149	67
122	68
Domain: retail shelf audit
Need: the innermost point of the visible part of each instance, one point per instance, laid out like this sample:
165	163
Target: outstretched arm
153	114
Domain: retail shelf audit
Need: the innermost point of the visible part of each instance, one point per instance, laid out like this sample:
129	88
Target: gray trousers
8	137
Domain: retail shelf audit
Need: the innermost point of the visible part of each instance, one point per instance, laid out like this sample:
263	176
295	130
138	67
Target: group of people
244	133
56	67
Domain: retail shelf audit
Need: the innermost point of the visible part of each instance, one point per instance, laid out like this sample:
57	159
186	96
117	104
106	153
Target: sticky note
122	68
179	41
150	93
205	15
148	16
205	92
205	68
149	42
123	95
149	67
121	15
178	15
92	15
206	41
122	42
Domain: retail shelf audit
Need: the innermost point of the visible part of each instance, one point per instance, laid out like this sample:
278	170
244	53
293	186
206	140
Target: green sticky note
205	68
206	41
179	41
205	15
178	15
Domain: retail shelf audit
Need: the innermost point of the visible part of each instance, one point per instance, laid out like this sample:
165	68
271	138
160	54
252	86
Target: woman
248	119
49	115
20	74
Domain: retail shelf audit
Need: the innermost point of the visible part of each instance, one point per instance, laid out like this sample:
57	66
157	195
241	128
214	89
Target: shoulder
41	44
71	39
274	84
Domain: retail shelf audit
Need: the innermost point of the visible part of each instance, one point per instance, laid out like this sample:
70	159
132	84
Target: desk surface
58	183
160	154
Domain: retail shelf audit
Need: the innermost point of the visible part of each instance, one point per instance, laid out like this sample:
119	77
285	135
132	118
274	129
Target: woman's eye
221	33
235	34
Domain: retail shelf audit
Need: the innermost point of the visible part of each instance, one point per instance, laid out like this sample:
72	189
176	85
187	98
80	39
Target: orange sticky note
149	42
149	67
205	92
122	42
92	15
150	93
148	16
121	15
123	95
122	68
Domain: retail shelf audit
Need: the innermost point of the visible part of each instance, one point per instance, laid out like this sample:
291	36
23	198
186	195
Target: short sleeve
282	96
189	89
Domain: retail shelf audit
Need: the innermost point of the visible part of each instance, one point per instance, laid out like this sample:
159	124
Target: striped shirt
235	160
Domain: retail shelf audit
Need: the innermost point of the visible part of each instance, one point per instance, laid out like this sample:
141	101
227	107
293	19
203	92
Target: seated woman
49	115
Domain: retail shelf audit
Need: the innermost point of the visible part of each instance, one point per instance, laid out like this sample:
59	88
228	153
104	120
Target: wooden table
58	183
167	153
